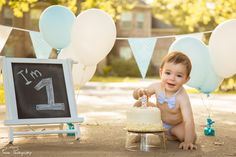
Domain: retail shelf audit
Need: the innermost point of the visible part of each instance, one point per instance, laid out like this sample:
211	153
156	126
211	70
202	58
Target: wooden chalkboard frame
12	115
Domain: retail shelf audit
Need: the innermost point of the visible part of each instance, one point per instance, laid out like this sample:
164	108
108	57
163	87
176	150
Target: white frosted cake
144	119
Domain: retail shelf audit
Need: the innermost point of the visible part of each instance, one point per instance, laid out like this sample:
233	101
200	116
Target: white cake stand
143	144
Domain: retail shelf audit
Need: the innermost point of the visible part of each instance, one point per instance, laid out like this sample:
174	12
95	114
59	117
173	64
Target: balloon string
208	106
84	68
168	36
121	38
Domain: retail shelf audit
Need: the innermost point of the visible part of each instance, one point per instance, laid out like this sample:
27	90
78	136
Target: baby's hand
186	146
142	91
150	104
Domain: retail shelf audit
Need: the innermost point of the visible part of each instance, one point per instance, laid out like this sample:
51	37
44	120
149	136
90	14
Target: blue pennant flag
41	47
142	49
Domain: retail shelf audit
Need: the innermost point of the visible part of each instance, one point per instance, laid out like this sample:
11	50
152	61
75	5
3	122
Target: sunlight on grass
2	95
193	91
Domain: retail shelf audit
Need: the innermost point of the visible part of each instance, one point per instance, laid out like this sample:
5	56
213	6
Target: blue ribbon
208	130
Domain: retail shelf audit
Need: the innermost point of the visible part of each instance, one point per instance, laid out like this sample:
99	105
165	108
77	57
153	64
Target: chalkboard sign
39	91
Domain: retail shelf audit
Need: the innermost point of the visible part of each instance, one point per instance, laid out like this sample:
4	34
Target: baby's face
173	76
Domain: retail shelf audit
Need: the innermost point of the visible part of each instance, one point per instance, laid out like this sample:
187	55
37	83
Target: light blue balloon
211	83
55	24
197	52
212	80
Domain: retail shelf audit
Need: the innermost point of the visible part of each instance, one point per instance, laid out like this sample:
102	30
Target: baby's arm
149	91
189	127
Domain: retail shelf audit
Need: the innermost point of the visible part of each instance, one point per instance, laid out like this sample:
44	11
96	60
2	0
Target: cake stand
143	144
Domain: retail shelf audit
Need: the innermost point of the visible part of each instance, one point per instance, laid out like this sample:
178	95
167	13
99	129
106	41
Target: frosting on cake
144	119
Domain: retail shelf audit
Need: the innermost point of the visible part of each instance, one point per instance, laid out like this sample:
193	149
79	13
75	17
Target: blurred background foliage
113	7
194	15
187	15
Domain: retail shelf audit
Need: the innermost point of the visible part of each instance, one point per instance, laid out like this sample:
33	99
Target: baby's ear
188	78
160	71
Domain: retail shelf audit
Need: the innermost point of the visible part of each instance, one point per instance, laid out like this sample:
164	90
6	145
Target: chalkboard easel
39	91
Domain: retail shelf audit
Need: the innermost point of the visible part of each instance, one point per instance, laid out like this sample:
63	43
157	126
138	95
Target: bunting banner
142	49
198	36
41	47
4	34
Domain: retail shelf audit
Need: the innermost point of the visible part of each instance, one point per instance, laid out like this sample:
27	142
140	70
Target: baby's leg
178	131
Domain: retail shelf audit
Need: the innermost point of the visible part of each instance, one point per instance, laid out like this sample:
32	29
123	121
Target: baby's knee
179	134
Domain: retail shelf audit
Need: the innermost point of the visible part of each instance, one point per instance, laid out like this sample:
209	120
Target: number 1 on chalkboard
47	82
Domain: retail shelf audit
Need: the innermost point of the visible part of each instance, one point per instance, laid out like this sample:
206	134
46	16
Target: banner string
167	36
21	29
126	38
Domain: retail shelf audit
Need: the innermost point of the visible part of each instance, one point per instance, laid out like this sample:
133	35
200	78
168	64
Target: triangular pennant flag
142	49
4	34
41	47
194	35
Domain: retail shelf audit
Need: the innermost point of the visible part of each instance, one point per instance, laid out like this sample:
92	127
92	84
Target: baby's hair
177	58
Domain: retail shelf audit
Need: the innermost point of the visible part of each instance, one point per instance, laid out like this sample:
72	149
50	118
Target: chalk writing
47	82
33	75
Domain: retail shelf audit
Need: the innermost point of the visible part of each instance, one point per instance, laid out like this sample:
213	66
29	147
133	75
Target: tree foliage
194	15
187	15
112	7
2	2
19	7
22	6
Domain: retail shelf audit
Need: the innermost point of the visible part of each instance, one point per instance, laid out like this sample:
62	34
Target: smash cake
144	119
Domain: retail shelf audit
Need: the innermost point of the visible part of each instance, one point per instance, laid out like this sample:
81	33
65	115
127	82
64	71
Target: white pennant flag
142	49
4	34
194	35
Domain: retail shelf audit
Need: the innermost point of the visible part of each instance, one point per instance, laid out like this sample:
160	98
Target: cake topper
144	100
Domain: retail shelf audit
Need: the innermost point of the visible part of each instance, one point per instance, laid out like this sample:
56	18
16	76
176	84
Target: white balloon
93	36
82	74
67	53
222	47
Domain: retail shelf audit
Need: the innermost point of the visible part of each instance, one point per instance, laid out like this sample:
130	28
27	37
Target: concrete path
104	106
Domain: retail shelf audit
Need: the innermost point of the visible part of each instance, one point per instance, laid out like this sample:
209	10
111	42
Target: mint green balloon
211	82
55	25
198	53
